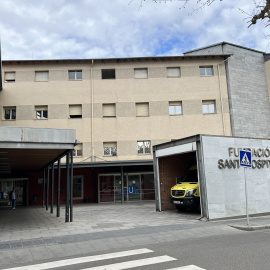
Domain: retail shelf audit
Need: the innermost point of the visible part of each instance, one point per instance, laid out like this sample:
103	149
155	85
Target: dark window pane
75	116
45	114
71	75
7	114
38	114
78	75
13	114
209	71
202	71
108	73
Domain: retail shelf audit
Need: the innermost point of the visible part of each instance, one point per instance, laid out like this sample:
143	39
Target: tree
261	11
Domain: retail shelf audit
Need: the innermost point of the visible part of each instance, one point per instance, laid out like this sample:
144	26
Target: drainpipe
220	95
92	111
221	102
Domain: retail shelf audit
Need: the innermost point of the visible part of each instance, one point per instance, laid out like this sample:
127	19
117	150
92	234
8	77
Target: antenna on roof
1	83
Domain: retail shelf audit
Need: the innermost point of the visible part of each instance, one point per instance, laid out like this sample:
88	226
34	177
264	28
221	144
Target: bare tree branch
261	11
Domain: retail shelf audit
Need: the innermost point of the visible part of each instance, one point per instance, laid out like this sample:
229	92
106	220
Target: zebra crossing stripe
131	264
86	259
188	267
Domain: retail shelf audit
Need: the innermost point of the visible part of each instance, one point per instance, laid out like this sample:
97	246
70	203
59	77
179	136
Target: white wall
226	186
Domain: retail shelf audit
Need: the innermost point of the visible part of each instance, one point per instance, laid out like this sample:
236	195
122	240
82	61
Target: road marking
135	263
67	262
188	267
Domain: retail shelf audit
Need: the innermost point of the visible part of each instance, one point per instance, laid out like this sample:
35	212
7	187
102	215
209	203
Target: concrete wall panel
226	186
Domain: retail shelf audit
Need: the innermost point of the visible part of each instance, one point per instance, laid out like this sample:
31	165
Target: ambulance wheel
180	208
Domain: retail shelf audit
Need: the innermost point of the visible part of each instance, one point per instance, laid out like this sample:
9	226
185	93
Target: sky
78	29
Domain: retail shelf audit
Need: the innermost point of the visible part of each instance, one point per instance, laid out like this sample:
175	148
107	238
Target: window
110	148
173	72
108	74
206	71
77	187
142	109
41	112
175	107
10	113
209	106
77	152
75	111
144	147
109	110
9	77
75	75
42	76
140	73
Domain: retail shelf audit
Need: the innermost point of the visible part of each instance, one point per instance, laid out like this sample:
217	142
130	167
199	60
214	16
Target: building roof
222	43
104	60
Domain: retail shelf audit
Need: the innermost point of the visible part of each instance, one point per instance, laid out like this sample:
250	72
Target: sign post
245	161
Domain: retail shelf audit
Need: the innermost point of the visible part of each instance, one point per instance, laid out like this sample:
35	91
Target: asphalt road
248	250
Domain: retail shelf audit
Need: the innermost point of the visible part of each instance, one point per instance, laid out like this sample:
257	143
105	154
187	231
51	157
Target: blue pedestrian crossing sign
245	158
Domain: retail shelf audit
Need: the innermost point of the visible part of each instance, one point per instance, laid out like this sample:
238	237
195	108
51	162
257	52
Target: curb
250	228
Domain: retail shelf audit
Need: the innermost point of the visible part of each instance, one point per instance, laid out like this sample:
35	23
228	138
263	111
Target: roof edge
223	43
145	58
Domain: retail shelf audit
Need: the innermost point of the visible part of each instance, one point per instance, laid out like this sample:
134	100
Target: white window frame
10	74
42	76
10	109
171	75
143	144
82	186
205	68
76	71
112	148
141	73
78	150
206	106
173	105
41	109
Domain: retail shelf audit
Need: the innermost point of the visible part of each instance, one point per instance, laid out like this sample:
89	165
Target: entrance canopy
31	149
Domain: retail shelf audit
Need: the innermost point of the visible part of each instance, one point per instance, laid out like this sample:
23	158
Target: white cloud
48	29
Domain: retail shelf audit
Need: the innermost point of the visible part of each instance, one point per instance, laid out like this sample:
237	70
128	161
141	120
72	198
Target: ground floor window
78	187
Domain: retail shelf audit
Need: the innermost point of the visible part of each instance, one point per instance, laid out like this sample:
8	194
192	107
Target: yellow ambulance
186	193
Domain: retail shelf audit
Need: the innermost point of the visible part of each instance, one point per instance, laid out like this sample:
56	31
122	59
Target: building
121	107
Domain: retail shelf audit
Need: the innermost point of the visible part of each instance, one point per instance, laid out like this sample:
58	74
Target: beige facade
122	111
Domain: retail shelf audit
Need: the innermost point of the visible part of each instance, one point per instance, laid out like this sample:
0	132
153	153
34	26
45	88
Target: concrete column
58	188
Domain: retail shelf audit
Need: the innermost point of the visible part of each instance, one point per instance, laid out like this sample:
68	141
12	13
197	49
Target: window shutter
142	109
109	110
109	144
41	108
75	109
175	103
42	76
140	73
78	146
9	76
173	72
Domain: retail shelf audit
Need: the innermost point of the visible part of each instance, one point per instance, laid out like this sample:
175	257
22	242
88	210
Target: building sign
260	158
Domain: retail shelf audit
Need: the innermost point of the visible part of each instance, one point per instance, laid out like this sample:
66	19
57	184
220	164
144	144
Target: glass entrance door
133	187
117	188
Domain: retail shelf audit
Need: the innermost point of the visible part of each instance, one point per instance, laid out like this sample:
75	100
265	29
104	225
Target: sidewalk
255	223
30	234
